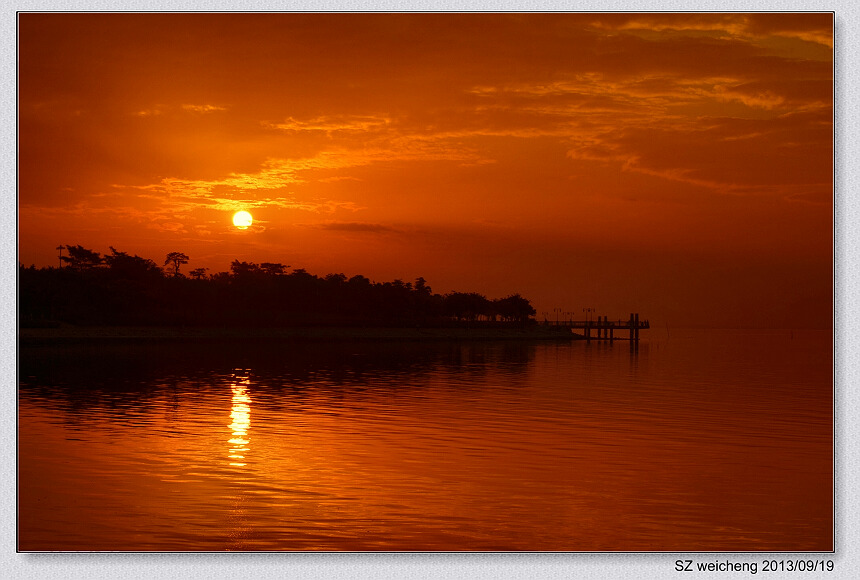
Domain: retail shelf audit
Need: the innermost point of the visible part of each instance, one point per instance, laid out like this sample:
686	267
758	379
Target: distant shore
35	336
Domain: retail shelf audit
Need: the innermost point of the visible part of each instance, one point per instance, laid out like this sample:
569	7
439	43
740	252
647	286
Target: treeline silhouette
119	289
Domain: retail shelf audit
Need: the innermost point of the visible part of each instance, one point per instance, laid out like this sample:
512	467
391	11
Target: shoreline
76	334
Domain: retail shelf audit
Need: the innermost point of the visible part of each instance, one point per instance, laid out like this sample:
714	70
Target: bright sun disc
242	219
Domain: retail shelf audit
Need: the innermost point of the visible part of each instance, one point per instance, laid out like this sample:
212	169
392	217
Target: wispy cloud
355	227
162	109
151	112
815	28
332	124
203	108
276	183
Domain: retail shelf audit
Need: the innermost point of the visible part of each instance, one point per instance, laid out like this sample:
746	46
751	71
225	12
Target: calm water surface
701	441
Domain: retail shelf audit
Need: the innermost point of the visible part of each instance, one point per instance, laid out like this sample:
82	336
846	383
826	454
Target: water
702	441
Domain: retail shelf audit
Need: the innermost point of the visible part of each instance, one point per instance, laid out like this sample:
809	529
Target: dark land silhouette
119	289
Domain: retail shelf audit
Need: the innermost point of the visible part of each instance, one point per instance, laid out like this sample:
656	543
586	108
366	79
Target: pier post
637	327
631	327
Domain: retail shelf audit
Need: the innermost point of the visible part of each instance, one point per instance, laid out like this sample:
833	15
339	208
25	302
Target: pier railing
605	328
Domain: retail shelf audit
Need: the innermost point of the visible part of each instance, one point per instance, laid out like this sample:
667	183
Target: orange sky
678	165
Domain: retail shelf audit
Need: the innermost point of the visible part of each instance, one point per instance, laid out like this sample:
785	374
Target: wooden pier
604	328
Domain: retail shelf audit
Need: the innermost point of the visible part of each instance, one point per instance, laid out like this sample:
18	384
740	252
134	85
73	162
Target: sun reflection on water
240	416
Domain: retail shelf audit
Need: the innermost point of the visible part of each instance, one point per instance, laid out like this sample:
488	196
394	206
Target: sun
242	219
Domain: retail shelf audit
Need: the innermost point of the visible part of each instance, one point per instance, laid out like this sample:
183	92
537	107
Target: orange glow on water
686	445
240	415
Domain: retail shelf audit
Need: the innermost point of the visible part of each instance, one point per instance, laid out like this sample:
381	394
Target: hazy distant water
705	441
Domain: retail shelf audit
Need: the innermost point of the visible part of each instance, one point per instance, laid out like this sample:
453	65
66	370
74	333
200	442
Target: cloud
203	108
172	227
276	182
738	156
148	112
337	178
162	109
814	27
784	95
808	27
333	124
355	227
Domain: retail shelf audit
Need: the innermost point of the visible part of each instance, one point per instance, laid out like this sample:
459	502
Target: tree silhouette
177	258
466	305
421	287
514	308
245	269
273	268
124	289
123	265
81	259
